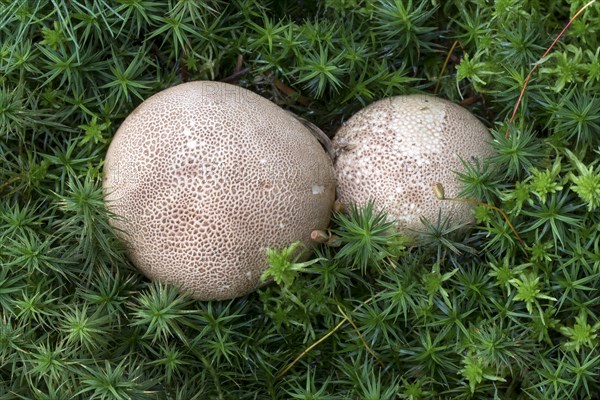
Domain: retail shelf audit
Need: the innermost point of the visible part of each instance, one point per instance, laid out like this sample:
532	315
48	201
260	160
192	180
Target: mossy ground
472	317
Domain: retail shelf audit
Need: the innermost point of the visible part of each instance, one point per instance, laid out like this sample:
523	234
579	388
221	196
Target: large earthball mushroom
395	150
203	177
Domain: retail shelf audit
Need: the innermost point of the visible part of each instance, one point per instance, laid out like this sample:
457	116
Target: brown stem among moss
438	189
516	108
324	237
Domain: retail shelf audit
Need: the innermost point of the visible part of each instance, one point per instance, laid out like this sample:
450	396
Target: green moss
459	317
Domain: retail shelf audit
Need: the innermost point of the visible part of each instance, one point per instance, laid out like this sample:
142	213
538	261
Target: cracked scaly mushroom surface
394	150
205	176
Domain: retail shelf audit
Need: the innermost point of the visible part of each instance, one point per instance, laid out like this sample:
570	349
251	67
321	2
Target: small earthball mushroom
395	150
204	177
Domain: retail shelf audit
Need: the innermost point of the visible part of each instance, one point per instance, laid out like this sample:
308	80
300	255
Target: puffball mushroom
204	177
396	150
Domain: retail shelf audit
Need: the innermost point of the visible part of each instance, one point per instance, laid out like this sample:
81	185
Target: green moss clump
460	317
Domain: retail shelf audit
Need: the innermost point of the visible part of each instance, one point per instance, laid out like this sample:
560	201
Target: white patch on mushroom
407	218
263	161
317	189
394	160
281	225
187	131
248	274
192	144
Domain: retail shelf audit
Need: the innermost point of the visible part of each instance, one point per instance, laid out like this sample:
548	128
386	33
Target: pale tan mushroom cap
206	176
394	150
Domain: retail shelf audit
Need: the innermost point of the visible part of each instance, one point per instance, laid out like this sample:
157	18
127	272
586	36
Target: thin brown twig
315	344
238	71
480	203
309	348
437	85
236	75
439	191
183	69
239	63
514	113
360	336
288	91
469	100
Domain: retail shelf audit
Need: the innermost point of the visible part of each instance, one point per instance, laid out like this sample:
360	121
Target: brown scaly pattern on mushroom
394	150
205	177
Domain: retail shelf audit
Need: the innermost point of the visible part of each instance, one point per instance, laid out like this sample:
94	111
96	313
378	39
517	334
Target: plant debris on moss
456	317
